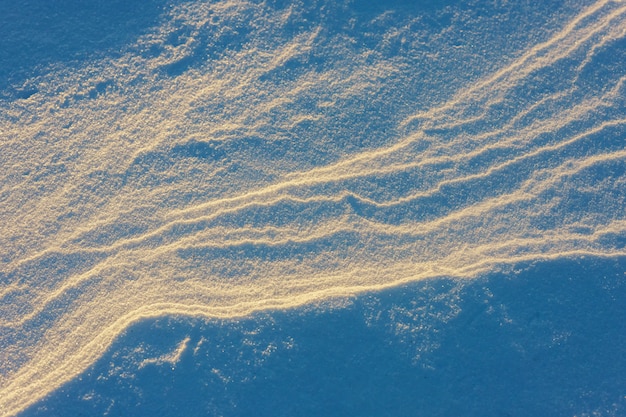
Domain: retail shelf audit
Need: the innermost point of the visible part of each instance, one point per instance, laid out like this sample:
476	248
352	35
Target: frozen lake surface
236	208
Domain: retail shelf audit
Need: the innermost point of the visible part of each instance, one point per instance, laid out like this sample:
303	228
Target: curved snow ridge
242	158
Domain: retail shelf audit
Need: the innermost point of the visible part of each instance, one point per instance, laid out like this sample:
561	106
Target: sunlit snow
236	157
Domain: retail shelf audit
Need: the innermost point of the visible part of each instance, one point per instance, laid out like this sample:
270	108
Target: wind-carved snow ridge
171	358
244	156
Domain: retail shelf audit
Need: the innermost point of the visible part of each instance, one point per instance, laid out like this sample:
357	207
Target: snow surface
312	208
